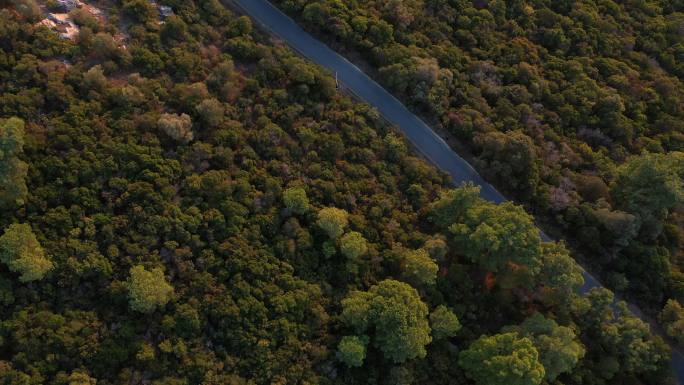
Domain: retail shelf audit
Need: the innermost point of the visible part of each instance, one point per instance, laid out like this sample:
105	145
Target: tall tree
558	346
148	289
333	221
12	170
23	254
502	359
392	314
649	186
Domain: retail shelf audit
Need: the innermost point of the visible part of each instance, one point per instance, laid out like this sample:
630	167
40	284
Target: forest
573	108
186	201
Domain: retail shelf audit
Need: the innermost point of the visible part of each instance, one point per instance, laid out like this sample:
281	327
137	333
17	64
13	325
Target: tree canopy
23	254
393	316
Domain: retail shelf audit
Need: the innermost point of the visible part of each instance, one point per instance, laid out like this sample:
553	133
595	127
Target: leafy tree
452	205
393	315
559	349
139	10
444	323
148	289
296	200
649	185
437	248
177	127
211	112
353	245
333	221
23	254
510	157
352	350
622	338
502	359
12	170
419	268
78	377
28	8
496	236
672	318
560	276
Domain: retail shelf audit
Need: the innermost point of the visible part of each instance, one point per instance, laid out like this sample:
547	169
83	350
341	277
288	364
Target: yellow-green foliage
22	253
333	221
148	289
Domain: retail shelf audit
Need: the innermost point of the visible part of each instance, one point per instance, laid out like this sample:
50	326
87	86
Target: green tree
353	245
510	157
453	204
444	323
352	350
333	221
623	338
139	10
13	171
672	318
502	359
177	127
28	8
559	348
437	248
148	289
419	269
496	236
649	186
296	200
393	314
78	377
22	253
560	275
211	112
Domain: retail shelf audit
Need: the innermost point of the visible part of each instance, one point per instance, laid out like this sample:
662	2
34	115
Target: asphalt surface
423	138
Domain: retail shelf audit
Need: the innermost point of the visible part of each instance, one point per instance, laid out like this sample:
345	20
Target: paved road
423	138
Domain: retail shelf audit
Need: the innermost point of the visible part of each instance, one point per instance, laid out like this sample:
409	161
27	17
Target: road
423	138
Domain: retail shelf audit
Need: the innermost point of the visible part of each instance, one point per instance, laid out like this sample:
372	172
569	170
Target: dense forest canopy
185	201
574	108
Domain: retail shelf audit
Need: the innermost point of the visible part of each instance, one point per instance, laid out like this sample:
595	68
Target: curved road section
423	138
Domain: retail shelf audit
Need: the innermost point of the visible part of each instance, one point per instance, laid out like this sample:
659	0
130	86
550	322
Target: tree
148	289
648	186
559	349
419	268
623	338
333	221
444	323
139	10
78	377
353	245
211	112
510	157
437	248
352	350
496	236
177	127
672	318
296	200
453	204
393	314
28	9
13	171
502	359
22	253
560	275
